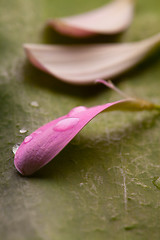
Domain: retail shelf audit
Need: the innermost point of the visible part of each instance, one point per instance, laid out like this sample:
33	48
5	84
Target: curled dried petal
82	64
112	18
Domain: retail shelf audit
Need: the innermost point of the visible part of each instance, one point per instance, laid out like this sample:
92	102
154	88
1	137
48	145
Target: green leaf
101	186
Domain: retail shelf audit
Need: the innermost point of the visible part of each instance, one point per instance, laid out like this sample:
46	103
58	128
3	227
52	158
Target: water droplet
157	183
66	124
38	131
34	104
23	130
15	148
81	184
77	110
28	139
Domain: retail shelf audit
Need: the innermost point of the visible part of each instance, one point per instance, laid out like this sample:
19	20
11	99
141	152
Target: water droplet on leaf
28	139
66	124
34	104
23	130
15	148
81	184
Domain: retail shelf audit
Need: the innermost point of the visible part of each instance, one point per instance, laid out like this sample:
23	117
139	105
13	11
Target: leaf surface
101	185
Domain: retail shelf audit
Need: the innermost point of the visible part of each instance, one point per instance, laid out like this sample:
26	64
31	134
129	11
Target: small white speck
34	104
23	130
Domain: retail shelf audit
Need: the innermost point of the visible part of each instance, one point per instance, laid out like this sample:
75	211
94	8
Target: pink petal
45	143
112	18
